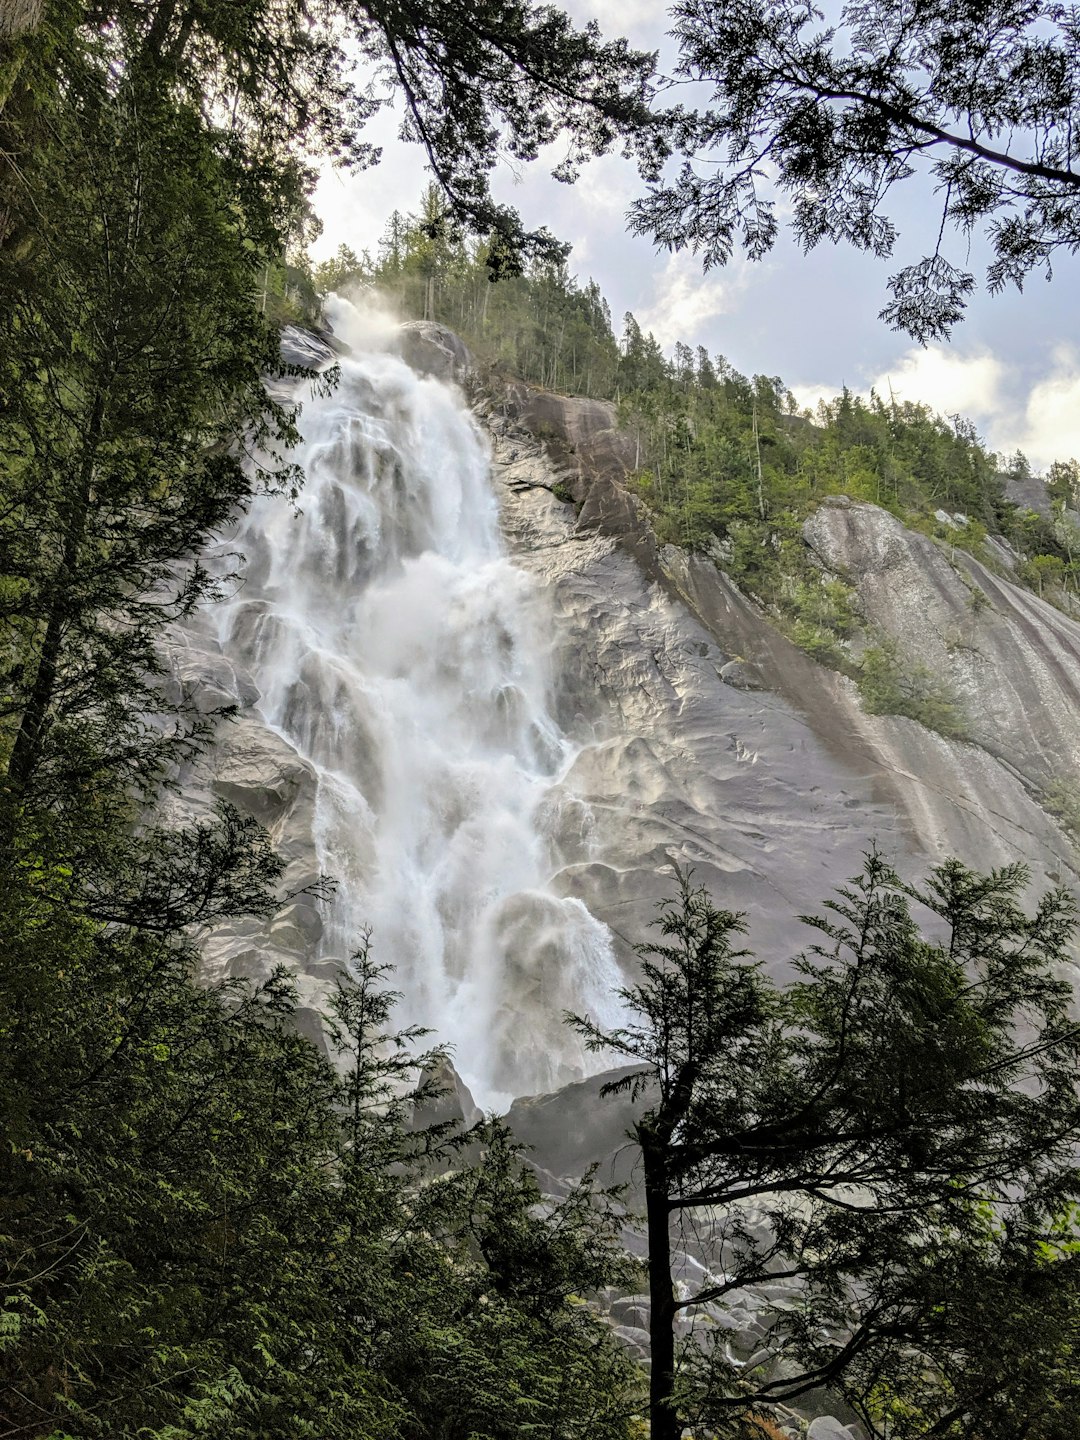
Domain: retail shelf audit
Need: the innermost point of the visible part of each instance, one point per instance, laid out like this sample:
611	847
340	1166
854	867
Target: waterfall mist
404	654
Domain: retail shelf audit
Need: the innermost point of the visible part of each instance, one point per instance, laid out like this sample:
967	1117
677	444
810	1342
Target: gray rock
454	1105
305	348
258	771
631	1310
825	1427
772	795
741	675
298	927
567	1130
636	1341
1011	659
432	349
1030	493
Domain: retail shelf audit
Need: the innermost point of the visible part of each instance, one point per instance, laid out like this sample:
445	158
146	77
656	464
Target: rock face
710	740
432	349
573	1127
263	777
1012	660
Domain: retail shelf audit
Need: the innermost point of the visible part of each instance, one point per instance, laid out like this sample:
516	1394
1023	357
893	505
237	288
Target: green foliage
894	1130
1041	572
205	1229
975	98
1061	797
892	685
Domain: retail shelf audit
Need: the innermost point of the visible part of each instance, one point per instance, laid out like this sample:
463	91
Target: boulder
432	349
825	1427
574	1127
258	772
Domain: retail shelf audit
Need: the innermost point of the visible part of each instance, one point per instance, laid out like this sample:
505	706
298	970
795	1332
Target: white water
402	652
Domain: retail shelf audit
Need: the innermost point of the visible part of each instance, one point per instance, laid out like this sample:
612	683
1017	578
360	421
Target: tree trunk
18	16
27	747
757	457
663	1420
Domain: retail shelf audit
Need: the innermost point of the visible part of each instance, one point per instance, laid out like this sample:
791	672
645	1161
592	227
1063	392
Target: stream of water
401	650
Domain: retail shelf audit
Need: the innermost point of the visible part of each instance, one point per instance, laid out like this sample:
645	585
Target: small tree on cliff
851	1132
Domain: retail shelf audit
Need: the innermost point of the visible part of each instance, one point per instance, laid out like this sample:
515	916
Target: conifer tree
902	1102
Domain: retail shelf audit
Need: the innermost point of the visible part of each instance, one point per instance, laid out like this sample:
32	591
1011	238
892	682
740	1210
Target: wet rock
432	349
297	928
258	771
454	1105
307	349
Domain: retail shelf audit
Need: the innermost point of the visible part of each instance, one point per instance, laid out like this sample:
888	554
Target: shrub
1061	798
891	685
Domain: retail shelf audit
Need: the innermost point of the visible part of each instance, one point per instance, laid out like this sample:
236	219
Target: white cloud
1051	427
946	381
617	17
1042	418
684	298
810	396
943	379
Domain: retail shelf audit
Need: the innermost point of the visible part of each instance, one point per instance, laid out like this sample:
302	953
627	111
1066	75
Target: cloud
943	379
946	381
1039	415
617	17
977	386
811	396
1051	428
684	299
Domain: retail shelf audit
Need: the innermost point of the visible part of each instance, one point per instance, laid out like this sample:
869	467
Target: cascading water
400	650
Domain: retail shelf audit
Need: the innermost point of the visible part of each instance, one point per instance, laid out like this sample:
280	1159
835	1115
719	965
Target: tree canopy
822	113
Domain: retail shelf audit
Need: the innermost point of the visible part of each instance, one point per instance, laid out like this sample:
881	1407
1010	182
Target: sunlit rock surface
716	743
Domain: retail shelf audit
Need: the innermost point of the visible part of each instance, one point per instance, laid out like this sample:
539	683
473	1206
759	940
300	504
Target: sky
1013	366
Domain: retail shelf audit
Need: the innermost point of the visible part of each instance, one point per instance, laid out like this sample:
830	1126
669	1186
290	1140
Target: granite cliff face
698	734
717	743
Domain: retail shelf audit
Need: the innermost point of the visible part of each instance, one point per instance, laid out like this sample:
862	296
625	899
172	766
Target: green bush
1061	798
890	684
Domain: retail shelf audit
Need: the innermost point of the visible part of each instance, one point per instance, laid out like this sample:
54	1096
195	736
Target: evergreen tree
901	1103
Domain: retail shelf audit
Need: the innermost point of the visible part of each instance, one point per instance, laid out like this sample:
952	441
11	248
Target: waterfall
400	650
